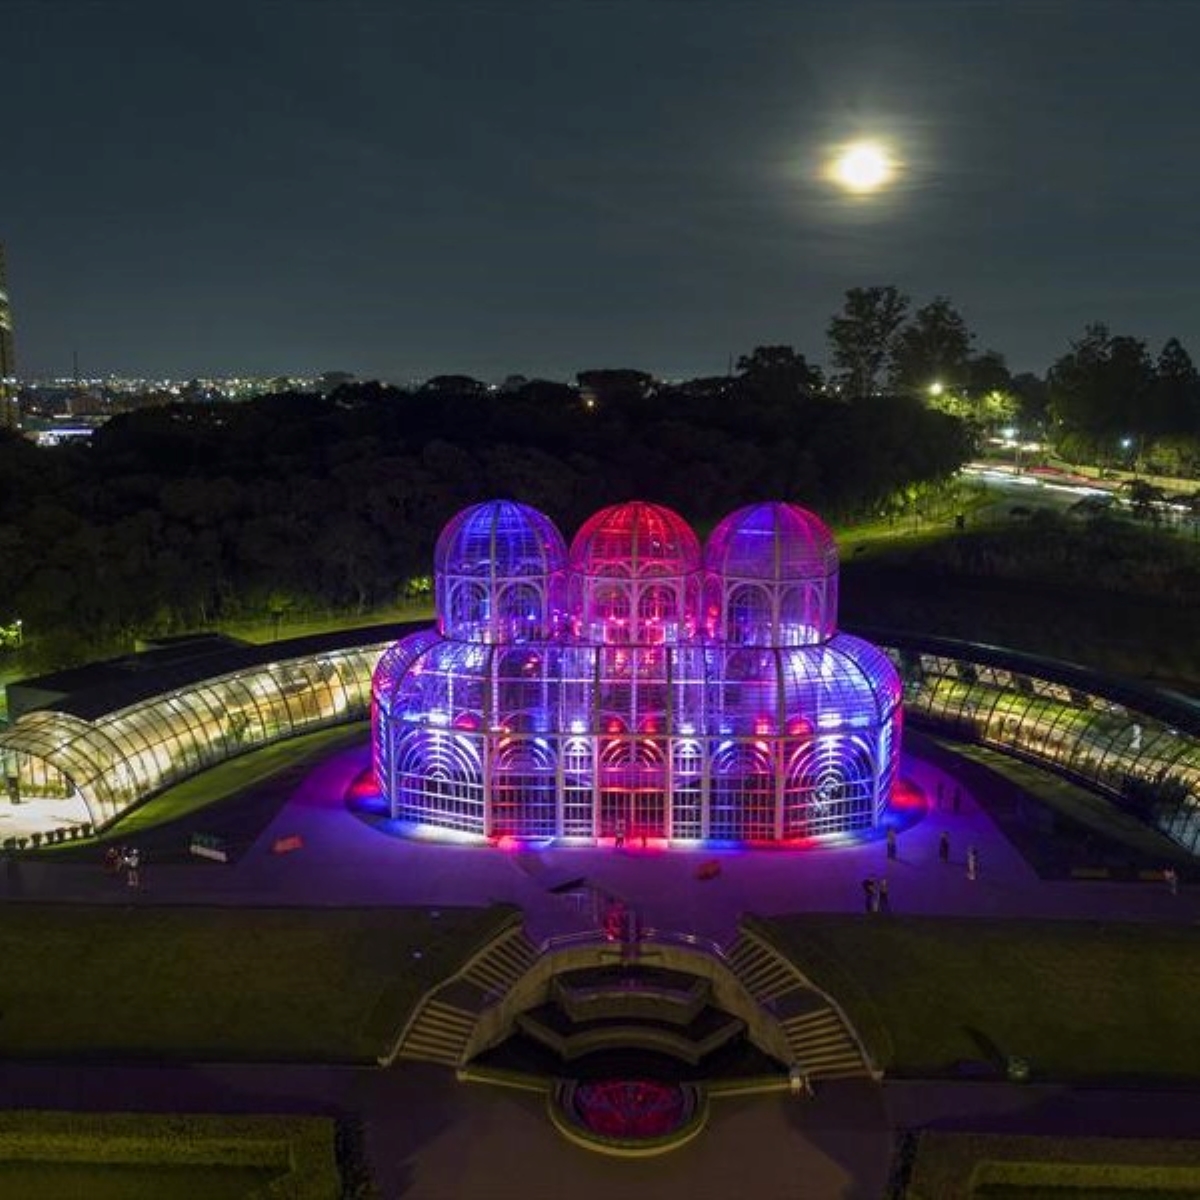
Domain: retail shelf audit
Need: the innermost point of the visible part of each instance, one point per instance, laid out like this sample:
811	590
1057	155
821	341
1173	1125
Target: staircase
441	1027
818	1036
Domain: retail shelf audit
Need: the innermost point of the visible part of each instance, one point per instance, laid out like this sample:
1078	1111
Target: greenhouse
636	684
125	730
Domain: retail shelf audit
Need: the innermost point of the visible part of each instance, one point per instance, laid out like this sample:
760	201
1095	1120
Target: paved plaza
432	1138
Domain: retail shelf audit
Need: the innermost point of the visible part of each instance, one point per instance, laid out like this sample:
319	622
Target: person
799	1081
133	867
619	840
1171	879
868	886
972	863
891	841
112	860
883	898
944	846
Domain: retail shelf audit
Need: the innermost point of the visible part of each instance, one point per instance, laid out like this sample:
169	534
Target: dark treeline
180	517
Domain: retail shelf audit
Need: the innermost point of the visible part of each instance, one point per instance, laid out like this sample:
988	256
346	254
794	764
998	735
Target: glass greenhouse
636	683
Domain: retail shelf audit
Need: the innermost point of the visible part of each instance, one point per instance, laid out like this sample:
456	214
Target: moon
863	167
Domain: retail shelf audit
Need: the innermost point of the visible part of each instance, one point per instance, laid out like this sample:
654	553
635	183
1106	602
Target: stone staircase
817	1034
440	1029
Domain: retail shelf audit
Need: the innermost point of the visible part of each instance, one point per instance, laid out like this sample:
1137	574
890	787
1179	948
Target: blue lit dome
772	577
498	574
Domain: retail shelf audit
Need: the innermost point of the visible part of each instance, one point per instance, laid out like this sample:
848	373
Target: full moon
863	167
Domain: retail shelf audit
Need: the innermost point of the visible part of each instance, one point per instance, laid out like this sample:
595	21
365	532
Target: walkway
343	861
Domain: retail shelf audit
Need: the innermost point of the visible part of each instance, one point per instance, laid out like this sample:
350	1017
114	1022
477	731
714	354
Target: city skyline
399	192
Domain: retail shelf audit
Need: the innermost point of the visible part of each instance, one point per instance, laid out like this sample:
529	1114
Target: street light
1013	435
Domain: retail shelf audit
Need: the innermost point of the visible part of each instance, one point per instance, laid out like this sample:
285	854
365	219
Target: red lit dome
635	577
635	540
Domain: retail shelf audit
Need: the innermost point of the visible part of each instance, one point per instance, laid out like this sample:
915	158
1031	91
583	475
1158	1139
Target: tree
1099	389
861	337
456	385
1175	400
932	349
609	385
1033	399
988	372
779	373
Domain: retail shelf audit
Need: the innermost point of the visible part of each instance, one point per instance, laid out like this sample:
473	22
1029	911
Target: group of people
126	860
876	896
972	855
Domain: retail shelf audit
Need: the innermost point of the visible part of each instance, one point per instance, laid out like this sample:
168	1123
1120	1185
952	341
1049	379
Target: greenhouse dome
498	574
636	576
625	713
772	572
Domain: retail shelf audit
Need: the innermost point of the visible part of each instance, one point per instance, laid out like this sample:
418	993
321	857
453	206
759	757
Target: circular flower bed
631	1117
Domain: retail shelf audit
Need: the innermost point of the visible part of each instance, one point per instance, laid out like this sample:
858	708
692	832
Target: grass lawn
1080	1000
234	800
948	1165
107	1181
164	1156
315	985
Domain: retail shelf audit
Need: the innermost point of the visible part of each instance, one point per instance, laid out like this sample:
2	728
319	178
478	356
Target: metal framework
1138	746
679	692
63	770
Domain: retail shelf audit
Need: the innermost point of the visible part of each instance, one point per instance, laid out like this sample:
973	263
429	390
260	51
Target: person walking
883	897
868	886
972	863
619	840
891	842
944	846
1171	879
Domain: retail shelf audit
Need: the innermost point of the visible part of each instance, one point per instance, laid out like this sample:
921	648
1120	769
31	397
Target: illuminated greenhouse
637	683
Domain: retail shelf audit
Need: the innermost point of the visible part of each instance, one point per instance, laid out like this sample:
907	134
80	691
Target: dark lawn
316	985
1080	1000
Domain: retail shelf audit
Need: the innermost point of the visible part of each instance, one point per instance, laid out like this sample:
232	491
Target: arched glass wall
662	710
1139	746
62	770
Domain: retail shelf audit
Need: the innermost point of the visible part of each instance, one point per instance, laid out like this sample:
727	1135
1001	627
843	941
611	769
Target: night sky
400	189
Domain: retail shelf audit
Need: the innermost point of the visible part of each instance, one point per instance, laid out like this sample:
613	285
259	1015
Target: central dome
635	540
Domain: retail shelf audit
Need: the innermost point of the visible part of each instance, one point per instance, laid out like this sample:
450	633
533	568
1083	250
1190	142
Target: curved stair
818	1036
442	1025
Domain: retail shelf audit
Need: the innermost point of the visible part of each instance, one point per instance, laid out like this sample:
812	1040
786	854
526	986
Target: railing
505	931
766	944
665	937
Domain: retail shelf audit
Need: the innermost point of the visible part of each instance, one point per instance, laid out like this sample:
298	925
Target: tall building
9	413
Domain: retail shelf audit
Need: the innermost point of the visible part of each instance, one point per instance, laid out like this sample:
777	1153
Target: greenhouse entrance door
633	788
